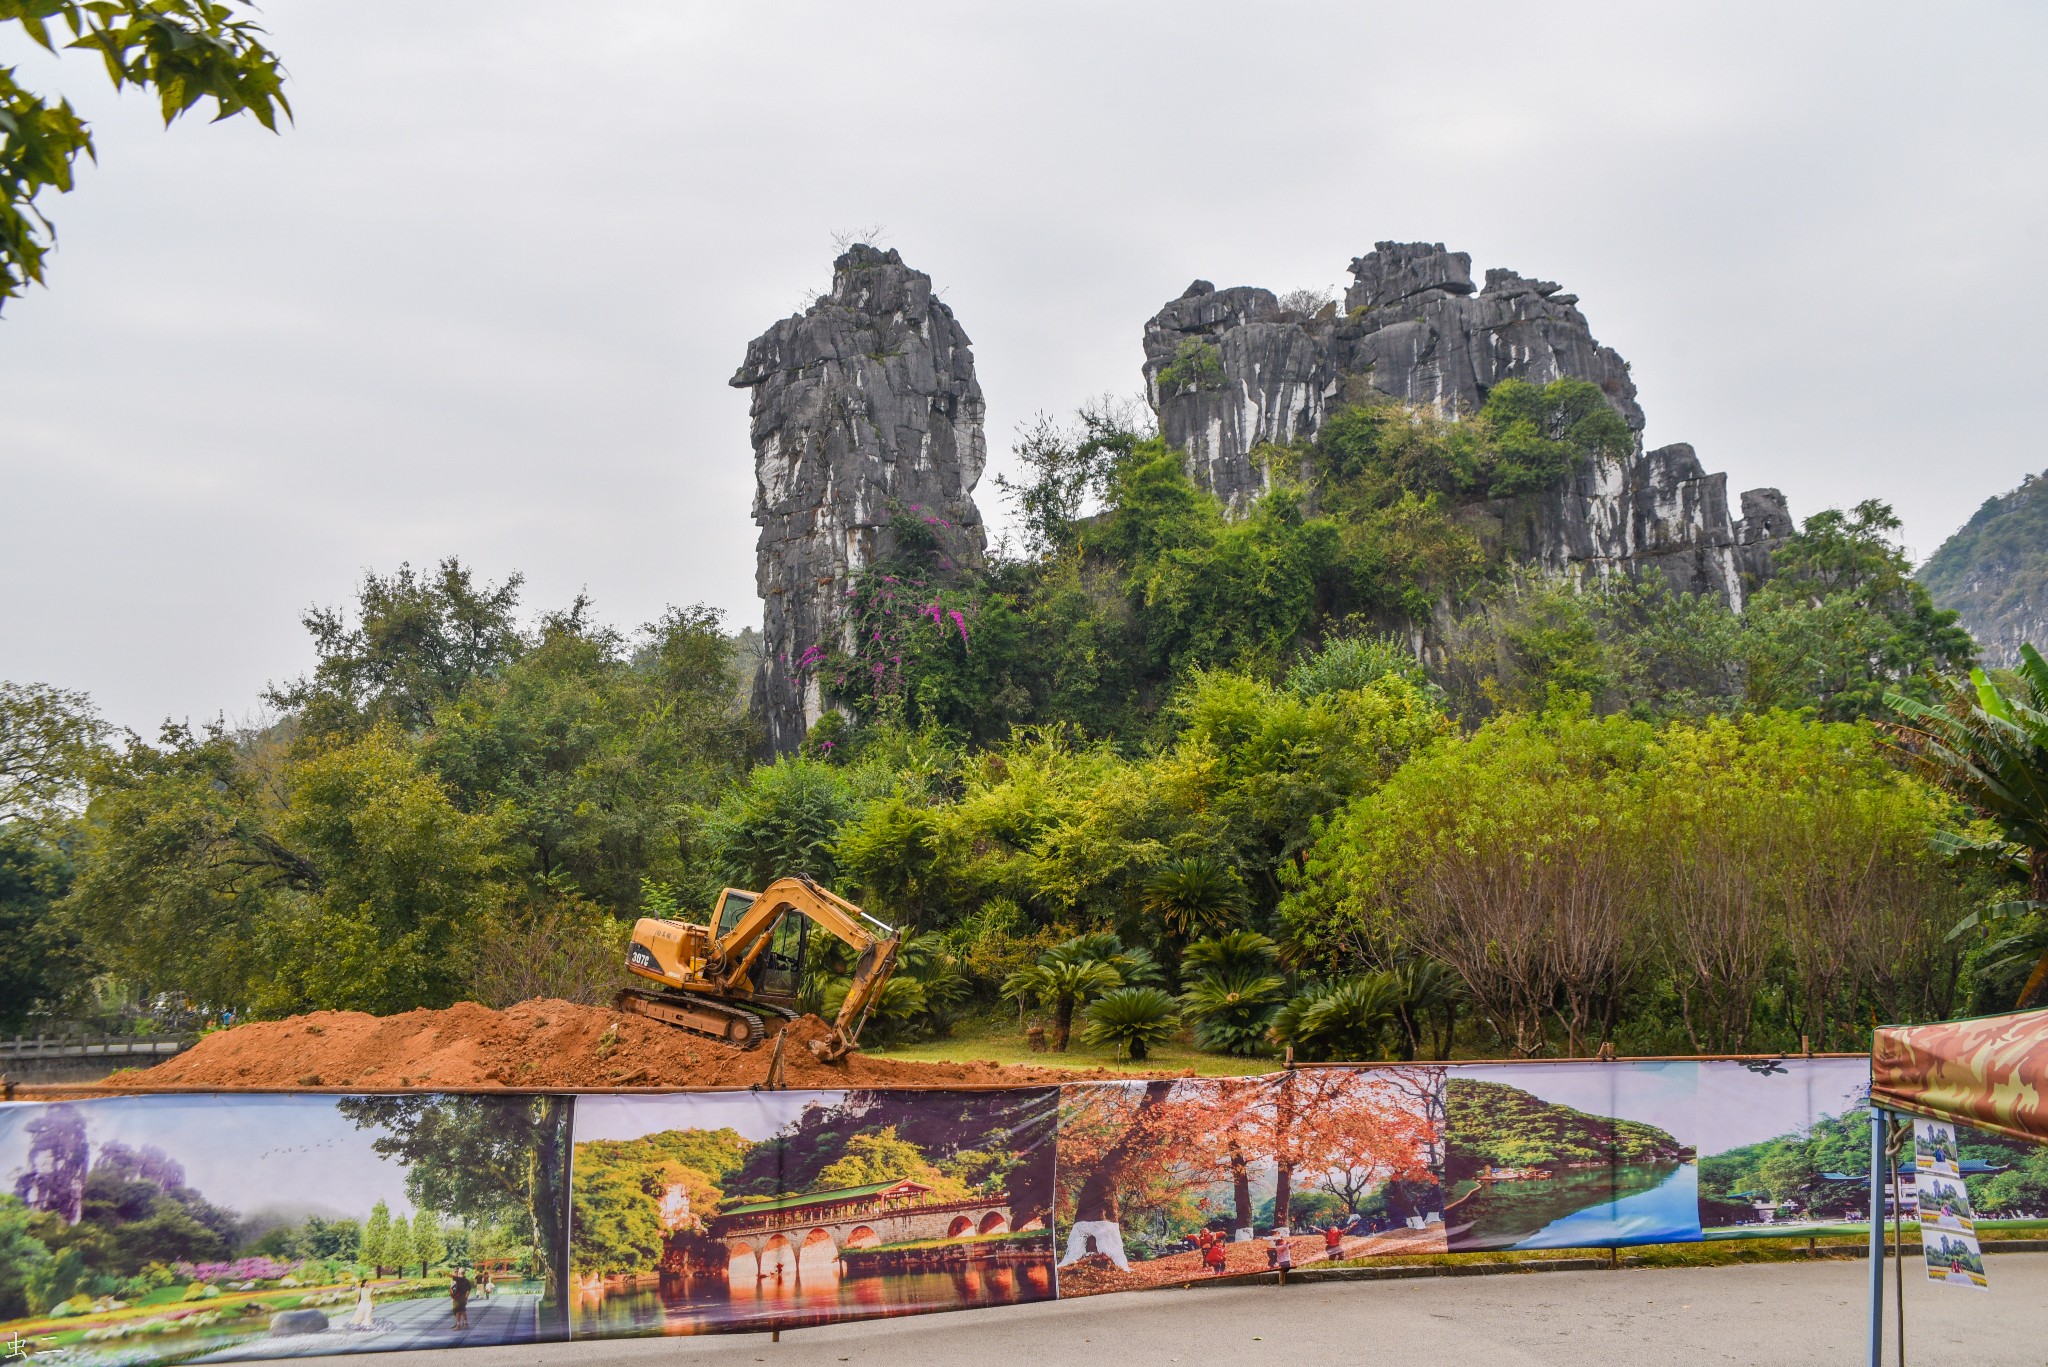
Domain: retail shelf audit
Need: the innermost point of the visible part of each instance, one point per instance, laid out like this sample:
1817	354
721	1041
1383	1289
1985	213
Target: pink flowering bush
240	1270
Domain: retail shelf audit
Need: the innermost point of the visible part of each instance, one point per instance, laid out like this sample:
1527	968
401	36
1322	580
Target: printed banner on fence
151	1229
1948	1221
1173	1180
1570	1154
1784	1146
770	1210
222	1228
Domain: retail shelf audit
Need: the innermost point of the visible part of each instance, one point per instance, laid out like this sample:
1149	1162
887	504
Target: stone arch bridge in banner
797	1227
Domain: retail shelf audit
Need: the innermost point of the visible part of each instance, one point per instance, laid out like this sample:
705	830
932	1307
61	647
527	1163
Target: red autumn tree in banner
1358	1127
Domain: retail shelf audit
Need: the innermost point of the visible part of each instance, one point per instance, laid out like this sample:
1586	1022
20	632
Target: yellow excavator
722	979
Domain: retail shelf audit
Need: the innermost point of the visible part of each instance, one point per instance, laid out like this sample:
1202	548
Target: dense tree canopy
1331	773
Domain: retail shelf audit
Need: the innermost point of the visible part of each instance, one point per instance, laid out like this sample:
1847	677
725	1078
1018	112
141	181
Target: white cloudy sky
484	298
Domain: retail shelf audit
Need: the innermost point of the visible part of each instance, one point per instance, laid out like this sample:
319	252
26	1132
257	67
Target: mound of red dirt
542	1045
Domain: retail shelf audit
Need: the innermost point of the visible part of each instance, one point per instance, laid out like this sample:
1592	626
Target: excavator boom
715	973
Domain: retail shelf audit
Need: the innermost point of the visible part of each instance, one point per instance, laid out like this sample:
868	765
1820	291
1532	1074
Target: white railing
93	1046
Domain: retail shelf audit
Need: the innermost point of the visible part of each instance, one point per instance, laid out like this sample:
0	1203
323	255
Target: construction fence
204	1228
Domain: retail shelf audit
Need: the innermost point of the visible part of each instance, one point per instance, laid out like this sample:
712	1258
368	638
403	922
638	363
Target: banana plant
1988	747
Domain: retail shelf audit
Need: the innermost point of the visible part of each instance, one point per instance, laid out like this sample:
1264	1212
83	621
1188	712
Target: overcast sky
484	297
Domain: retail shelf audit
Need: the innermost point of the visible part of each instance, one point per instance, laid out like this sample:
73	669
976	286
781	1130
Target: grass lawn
998	1039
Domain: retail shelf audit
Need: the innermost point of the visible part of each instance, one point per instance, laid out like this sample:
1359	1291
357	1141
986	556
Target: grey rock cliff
1230	370
865	408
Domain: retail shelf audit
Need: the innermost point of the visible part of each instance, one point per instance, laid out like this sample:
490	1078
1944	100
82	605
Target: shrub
1133	1019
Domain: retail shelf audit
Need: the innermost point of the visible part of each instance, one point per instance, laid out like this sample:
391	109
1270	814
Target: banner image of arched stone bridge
729	1210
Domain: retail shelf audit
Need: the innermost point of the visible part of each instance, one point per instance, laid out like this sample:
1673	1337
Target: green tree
1341	1020
877	1155
780	821
379	1247
184	50
49	741
22	1257
481	1158
1233	989
1192	893
407	877
425	1243
416	641
1841	622
183	877
42	960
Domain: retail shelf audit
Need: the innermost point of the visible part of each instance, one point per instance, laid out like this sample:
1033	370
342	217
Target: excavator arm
733	956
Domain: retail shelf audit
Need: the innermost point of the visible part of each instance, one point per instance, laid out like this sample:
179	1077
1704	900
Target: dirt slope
538	1044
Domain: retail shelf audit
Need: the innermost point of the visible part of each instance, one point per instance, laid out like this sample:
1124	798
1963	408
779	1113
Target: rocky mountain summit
1230	370
1994	572
865	410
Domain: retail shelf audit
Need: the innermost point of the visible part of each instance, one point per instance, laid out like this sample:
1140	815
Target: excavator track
730	1024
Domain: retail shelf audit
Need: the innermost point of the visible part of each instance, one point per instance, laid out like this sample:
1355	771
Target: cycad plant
1340	1020
1192	893
1427	993
1989	748
1133	1019
1062	986
1232	990
1134	966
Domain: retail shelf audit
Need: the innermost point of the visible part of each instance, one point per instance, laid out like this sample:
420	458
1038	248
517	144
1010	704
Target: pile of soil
542	1044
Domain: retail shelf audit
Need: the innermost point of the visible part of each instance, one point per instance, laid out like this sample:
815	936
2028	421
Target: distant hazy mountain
1995	572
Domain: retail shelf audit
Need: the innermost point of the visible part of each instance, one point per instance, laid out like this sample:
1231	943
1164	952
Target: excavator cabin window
782	963
732	904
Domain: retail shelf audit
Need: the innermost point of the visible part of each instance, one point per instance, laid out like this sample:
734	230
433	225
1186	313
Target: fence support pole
1879	1122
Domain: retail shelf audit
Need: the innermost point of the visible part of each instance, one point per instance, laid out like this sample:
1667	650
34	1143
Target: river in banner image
1638	1203
696	1305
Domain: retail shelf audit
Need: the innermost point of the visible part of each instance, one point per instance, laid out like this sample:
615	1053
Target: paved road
427	1322
1765	1314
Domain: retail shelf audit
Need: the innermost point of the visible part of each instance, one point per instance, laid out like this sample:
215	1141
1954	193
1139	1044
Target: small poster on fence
1948	1224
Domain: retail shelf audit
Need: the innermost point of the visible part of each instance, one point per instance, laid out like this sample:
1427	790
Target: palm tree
1102	946
1342	1020
1232	989
1237	951
1232	1008
1426	995
1192	892
1133	1019
1061	986
1989	749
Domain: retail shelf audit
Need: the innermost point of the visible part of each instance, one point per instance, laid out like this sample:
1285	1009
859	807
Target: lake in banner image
1569	1155
1642	1203
822	1294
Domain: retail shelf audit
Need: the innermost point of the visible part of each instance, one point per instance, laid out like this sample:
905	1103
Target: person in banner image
458	1292
1333	1242
364	1317
1213	1257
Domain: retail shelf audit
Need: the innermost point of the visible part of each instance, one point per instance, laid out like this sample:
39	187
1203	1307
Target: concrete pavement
1762	1314
426	1322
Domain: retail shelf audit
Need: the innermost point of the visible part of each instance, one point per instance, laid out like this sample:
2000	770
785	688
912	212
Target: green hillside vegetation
1186	746
1994	570
618	1185
1789	1167
1504	1126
